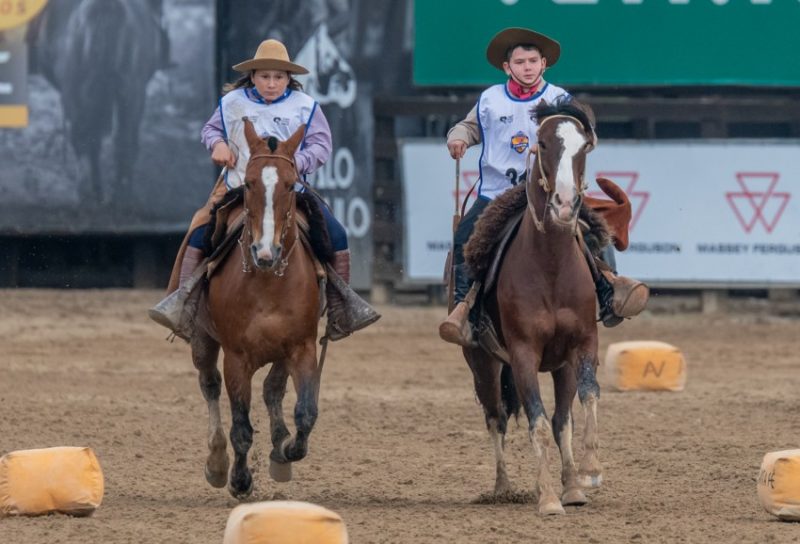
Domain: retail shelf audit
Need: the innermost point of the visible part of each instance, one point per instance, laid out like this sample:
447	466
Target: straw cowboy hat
509	37
270	55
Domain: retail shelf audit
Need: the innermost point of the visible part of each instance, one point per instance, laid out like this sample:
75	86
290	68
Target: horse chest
554	334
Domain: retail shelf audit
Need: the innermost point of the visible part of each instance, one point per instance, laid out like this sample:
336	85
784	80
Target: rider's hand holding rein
222	155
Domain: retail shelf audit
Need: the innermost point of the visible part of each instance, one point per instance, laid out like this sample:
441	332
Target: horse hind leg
204	356
566	386
274	391
486	373
237	383
590	472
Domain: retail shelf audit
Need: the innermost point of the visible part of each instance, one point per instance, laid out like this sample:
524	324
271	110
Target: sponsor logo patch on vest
519	142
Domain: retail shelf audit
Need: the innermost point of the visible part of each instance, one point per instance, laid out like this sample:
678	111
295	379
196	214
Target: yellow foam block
67	480
779	484
284	522
645	365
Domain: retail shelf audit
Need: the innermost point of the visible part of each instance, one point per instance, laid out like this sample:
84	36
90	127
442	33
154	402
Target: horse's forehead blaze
572	141
571	138
269	178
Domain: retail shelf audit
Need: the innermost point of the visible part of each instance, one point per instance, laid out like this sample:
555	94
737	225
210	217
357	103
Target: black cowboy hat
496	52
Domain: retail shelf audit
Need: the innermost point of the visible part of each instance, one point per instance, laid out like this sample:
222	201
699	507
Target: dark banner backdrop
117	91
354	49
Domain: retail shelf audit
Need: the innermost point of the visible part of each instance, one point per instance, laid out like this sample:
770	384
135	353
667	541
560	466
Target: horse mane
479	250
318	230
565	106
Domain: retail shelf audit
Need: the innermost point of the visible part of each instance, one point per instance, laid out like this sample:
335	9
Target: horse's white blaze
573	141
269	176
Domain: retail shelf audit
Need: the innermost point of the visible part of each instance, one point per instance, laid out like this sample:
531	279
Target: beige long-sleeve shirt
466	130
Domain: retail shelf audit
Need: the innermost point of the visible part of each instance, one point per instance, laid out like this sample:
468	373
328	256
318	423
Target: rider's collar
254	95
517	91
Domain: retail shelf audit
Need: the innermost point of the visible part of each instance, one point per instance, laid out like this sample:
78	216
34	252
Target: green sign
617	42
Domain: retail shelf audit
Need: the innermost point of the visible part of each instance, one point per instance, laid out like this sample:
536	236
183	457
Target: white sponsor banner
429	188
726	213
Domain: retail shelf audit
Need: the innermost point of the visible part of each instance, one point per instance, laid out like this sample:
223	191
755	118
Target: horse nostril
557	199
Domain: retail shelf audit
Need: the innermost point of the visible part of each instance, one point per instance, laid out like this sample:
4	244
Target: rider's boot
168	311
456	329
618	296
347	312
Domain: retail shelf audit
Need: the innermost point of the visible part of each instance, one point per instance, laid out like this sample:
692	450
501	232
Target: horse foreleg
566	385
274	391
237	383
590	473
539	430
204	356
486	375
303	370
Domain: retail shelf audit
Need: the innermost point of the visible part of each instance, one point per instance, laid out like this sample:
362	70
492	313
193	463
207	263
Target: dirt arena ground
400	448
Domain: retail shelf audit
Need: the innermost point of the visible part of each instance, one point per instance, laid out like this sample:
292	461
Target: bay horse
264	309
543	309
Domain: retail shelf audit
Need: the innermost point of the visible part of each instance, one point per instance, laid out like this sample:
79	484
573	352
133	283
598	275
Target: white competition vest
507	133
280	119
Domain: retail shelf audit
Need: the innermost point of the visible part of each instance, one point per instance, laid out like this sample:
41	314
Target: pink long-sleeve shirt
315	151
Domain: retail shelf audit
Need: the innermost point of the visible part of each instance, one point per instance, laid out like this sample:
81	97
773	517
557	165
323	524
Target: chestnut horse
543	308
264	309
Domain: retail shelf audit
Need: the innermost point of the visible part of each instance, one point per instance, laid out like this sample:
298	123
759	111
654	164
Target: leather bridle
279	265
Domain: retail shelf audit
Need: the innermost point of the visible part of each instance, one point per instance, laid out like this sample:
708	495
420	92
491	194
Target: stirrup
456	328
355	312
169	311
630	296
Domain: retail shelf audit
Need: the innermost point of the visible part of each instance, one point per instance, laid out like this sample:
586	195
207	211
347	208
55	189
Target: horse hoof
574	497
589	481
280	472
241	495
216	479
551	508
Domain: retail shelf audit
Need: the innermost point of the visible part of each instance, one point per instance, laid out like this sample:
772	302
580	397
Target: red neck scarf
518	92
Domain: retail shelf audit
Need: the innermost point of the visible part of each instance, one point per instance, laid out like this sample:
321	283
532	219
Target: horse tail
508	392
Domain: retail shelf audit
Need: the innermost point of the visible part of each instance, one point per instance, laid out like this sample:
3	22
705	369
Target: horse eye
541	144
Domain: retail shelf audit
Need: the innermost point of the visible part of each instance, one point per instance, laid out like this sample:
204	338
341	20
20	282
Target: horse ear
585	108
250	135
295	139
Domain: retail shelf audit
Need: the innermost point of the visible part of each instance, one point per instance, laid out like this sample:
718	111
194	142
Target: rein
279	266
543	182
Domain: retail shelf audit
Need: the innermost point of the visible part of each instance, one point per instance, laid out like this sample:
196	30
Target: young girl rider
501	121
273	100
